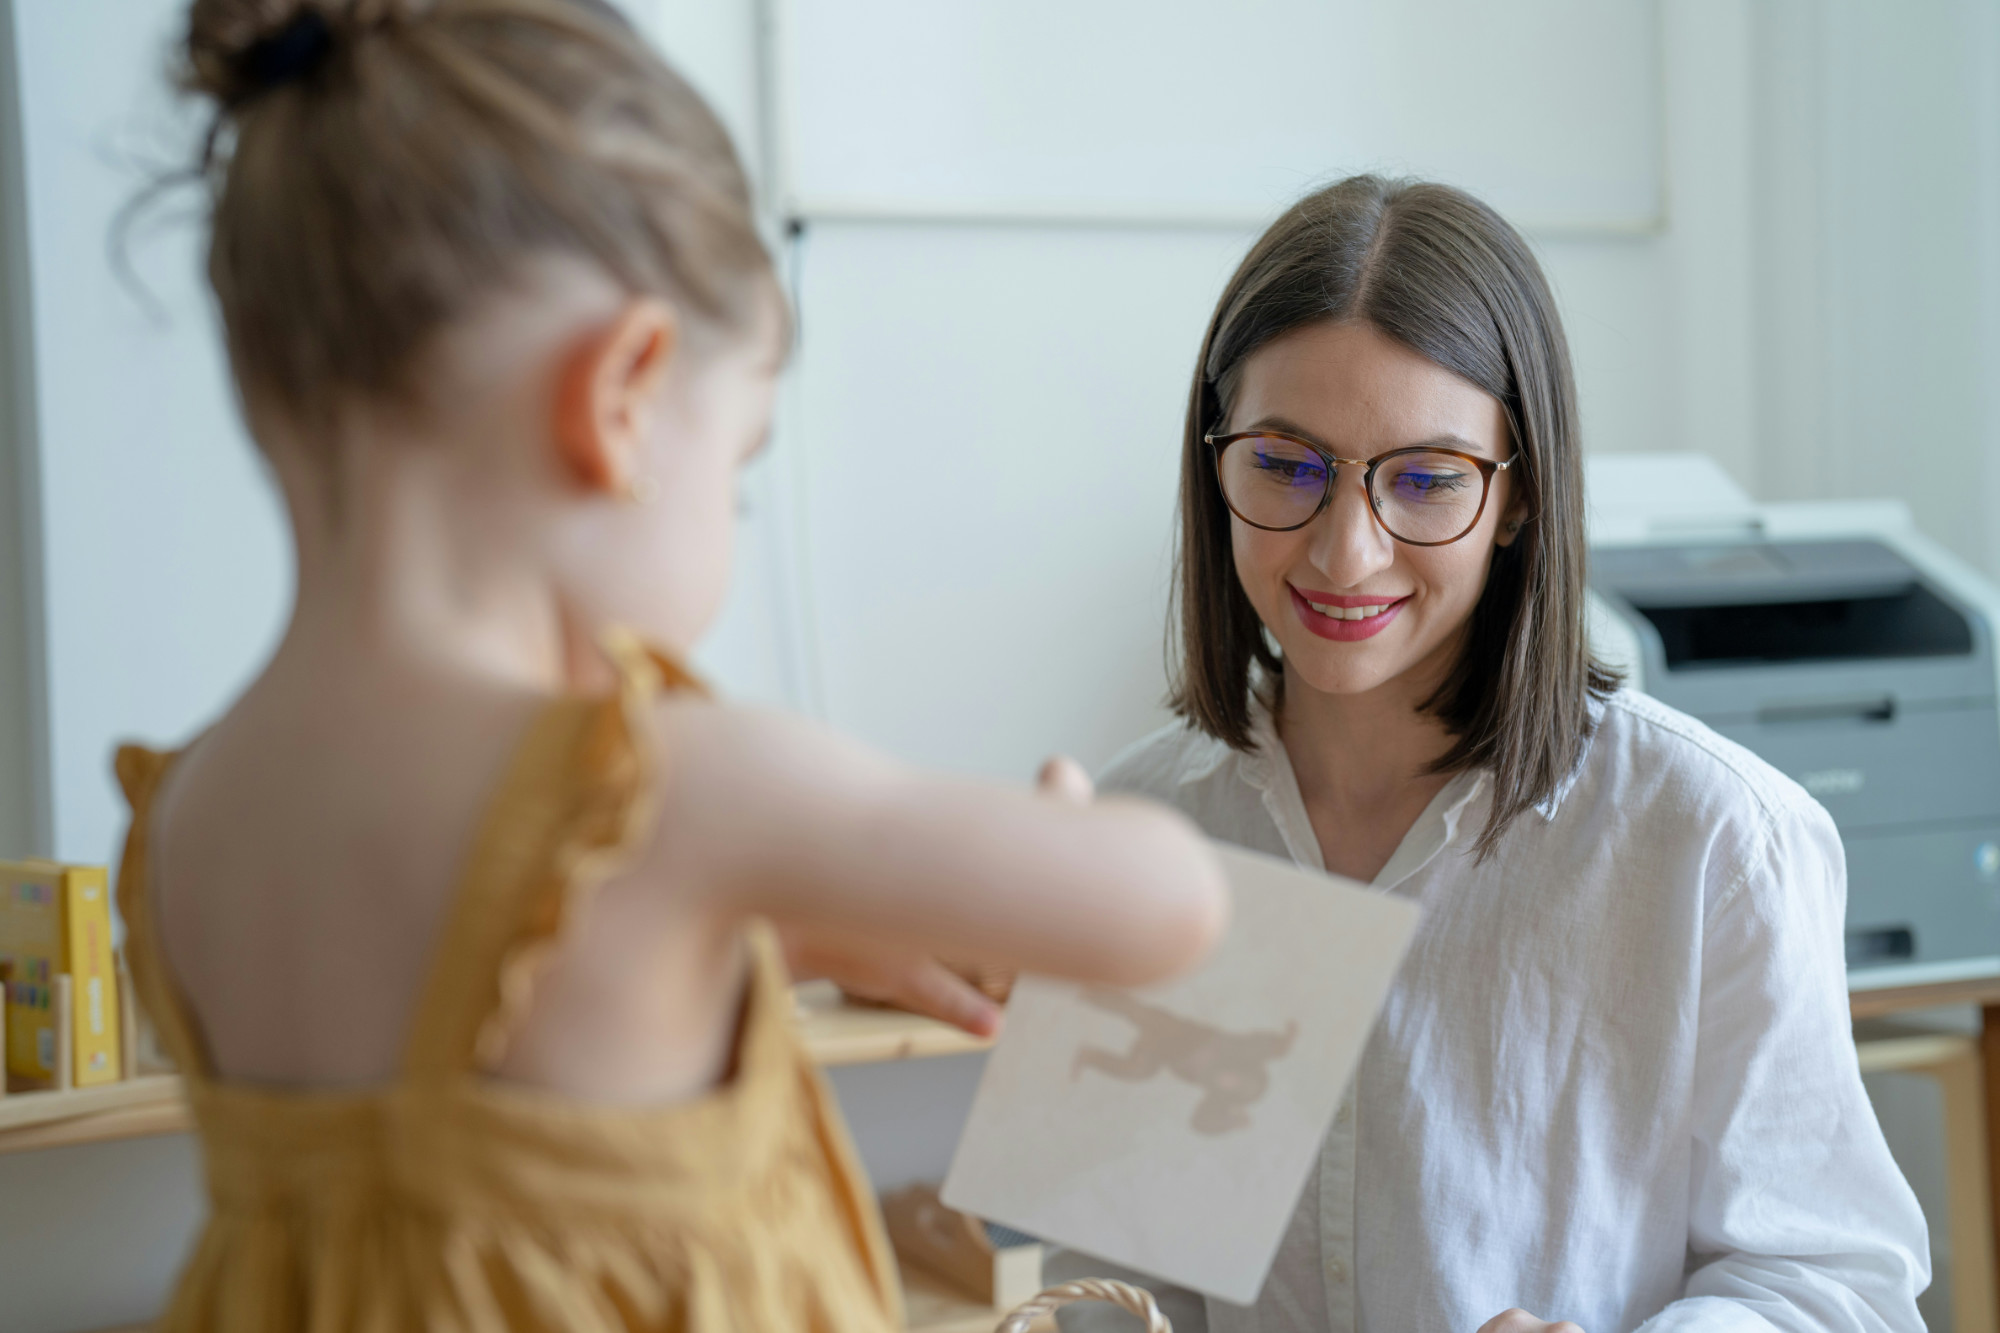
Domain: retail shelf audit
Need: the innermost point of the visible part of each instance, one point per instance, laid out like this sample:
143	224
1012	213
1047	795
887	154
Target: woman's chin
1339	668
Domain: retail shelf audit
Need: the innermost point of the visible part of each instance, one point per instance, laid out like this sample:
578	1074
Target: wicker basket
1122	1294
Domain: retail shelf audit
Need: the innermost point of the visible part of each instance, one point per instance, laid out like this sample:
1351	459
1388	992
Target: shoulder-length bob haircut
1446	276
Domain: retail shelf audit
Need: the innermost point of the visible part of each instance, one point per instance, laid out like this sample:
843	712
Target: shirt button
1345	1116
1336	1270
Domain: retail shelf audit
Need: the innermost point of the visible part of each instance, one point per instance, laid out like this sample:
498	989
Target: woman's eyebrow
1451	441
1448	440
1289	427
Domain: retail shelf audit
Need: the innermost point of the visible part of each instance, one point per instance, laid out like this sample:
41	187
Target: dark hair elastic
290	53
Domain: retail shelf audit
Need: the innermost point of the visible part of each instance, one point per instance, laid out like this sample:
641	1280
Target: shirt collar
1268	769
1437	828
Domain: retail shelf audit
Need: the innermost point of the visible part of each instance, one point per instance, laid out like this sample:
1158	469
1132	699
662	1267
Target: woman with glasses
1615	1085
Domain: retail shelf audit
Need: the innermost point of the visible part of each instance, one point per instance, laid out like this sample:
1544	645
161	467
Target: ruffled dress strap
572	809
141	774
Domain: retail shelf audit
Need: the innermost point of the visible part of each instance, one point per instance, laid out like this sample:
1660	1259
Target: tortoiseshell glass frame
1486	468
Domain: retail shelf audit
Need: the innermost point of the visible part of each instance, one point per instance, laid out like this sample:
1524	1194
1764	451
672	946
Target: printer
1852	654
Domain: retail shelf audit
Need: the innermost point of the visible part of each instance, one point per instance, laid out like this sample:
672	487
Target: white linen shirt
1614	1082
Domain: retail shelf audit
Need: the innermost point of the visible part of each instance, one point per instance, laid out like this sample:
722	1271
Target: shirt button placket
1336	1220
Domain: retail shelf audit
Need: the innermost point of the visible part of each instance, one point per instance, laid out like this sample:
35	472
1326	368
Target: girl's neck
408	573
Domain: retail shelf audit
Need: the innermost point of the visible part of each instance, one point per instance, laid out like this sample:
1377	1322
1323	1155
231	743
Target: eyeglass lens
1273	482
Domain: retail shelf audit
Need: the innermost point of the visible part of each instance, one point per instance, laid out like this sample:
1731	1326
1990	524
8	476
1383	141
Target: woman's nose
1347	543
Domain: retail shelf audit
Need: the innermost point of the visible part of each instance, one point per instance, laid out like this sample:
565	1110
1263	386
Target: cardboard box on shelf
55	935
989	1263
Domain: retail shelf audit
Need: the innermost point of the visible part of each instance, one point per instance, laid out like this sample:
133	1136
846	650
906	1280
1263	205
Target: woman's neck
1362	762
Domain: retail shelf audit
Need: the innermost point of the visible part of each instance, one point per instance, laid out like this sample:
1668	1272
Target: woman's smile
1346	617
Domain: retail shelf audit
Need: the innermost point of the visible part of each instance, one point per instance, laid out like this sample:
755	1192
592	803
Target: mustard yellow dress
453	1201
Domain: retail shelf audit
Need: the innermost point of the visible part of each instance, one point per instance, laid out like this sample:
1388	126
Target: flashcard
1170	1128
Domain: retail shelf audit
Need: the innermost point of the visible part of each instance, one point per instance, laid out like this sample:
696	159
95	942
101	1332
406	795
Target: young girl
1614	1085
452	919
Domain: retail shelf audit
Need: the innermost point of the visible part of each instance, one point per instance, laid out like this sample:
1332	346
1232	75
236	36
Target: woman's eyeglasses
1421	495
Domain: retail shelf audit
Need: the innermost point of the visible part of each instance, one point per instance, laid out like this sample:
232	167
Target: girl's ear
606	395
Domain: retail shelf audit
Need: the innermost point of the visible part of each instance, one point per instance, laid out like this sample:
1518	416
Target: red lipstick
1345	631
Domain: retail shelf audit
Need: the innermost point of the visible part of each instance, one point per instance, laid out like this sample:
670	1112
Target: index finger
1063	776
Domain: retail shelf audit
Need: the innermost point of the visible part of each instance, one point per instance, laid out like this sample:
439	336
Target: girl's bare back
305	861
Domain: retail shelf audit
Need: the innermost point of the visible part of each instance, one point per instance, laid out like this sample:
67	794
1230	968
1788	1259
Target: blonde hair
377	166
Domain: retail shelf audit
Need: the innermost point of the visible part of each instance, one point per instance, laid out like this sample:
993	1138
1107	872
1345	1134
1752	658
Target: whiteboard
987	449
1215	111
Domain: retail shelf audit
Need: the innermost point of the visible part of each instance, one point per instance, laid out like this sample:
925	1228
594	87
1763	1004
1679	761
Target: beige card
1170	1128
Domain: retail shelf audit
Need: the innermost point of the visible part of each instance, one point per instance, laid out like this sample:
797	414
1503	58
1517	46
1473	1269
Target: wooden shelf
835	1033
839	1033
1863	1004
135	1108
1891	1050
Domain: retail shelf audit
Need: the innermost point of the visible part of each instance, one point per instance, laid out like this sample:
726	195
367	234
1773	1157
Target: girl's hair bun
239	48
375	167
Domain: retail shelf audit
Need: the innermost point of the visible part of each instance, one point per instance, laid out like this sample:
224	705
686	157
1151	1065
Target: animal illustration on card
1231	1068
1171	1129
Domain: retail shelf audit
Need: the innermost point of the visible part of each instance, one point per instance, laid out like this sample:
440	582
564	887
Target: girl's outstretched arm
916	979
771	814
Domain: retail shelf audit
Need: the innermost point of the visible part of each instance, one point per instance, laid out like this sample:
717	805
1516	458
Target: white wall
1878	287
162	562
22	753
958	546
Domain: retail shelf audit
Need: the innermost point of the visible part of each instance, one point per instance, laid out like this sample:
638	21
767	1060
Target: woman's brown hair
378	166
1440	272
